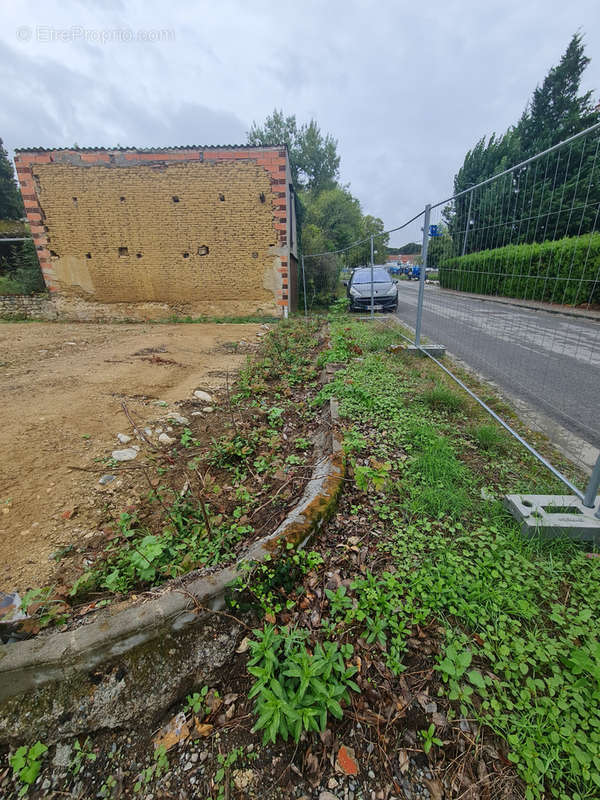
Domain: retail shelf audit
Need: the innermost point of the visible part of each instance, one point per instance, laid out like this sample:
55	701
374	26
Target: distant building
404	260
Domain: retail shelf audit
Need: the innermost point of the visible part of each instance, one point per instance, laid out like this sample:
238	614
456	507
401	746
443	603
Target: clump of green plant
81	754
45	607
199	701
26	764
226	761
297	687
441	398
156	770
372	475
268	585
189	540
489	437
429	738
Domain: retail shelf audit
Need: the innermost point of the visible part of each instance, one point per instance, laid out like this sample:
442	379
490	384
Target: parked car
384	288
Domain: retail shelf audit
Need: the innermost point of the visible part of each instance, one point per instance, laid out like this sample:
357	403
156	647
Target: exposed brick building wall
196	229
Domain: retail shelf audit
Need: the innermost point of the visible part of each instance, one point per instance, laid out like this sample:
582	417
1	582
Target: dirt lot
62	386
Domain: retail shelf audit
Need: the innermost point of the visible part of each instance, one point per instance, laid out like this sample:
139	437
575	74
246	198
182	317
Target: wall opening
222	198
88	255
186	254
261	197
203	250
75	202
123	251
175	198
138	255
122	199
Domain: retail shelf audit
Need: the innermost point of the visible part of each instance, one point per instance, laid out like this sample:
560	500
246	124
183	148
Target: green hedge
564	271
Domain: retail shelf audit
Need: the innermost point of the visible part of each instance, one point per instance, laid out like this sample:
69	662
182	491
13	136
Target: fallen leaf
403	761
175	731
436	791
202	728
244	645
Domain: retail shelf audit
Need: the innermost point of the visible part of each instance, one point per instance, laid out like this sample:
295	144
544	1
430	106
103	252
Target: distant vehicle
409	270
384	289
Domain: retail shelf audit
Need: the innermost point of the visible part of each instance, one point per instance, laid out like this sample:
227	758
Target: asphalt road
549	361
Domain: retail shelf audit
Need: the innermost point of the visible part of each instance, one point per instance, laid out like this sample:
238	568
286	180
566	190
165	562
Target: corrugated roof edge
151	149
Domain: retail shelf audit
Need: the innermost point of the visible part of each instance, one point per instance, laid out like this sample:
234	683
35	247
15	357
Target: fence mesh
502	257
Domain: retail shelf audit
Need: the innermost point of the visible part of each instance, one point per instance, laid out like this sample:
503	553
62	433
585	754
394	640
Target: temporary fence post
422	274
304	286
464	247
589	499
372	284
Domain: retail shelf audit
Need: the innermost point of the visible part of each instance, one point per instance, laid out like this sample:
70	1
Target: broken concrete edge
552	515
61	656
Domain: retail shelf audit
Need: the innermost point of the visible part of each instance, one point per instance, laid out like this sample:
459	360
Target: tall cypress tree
565	180
556	109
11	204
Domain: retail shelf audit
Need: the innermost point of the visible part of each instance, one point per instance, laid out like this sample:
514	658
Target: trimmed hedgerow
562	271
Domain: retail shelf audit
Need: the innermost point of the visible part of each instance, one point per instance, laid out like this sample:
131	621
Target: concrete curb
131	664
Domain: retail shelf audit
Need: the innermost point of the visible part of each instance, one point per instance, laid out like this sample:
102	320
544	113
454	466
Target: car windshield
364	276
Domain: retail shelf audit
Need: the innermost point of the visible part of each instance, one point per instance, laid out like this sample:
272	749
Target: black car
385	290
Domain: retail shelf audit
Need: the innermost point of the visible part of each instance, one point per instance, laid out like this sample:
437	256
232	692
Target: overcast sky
406	87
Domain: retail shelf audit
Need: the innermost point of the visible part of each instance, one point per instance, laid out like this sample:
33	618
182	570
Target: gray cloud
406	88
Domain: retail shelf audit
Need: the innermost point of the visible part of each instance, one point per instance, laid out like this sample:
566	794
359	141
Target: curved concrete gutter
131	664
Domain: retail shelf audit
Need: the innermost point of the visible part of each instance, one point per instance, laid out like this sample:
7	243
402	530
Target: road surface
549	361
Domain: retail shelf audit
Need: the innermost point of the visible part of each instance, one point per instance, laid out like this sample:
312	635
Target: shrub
561	271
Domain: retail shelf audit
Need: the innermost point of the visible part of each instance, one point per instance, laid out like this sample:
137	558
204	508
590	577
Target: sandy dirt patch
61	388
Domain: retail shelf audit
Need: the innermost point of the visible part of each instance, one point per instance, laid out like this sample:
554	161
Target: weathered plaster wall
206	230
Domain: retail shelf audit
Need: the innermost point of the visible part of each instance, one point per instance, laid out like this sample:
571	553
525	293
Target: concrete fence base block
554	515
435	350
126	667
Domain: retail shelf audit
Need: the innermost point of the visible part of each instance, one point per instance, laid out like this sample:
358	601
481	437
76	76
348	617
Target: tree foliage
329	217
549	187
314	160
11	204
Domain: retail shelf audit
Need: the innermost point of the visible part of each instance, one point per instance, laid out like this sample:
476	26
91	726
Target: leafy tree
329	217
337	214
362	255
314	161
551	187
412	248
11	204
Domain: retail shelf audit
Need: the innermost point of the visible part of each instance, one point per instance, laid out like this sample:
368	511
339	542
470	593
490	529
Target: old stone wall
27	307
190	230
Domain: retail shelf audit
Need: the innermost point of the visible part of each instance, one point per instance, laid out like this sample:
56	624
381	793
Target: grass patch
440	397
490	437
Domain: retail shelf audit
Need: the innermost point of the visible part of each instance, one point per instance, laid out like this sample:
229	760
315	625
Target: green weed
26	764
441	398
297	688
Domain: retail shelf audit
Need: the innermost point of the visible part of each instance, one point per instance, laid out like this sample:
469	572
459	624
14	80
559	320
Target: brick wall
26	307
200	230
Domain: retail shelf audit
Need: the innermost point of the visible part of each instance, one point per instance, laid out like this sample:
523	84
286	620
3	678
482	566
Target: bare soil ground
62	387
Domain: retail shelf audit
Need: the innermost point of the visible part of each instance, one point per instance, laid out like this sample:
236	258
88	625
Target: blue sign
433	230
